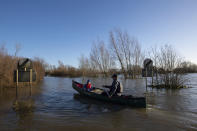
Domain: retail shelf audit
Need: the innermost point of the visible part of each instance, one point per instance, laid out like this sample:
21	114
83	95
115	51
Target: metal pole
146	85
152	77
1	88
146	80
16	83
30	81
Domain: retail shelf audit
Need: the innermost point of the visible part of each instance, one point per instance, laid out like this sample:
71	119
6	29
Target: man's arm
106	86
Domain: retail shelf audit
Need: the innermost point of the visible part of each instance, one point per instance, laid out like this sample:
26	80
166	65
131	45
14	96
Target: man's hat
114	75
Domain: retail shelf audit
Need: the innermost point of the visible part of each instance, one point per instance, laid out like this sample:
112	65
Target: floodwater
55	105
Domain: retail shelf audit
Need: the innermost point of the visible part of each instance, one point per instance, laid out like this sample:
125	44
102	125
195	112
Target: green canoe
96	93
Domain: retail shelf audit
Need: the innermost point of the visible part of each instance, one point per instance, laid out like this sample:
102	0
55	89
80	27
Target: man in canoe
116	88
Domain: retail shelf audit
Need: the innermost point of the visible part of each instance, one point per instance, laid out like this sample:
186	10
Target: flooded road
57	106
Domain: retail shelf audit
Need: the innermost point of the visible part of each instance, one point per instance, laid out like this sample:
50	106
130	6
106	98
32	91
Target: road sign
25	64
25	72
148	64
148	68
25	76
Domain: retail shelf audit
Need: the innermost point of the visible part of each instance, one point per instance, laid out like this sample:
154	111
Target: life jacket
89	86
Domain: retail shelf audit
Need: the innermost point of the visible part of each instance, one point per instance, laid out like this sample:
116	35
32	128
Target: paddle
105	86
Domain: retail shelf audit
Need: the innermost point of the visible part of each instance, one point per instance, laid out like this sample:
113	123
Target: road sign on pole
148	68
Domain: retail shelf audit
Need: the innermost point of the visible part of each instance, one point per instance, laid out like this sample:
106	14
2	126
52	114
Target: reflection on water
24	111
54	105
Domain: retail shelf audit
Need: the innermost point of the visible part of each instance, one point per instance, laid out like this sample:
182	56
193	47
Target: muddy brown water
57	106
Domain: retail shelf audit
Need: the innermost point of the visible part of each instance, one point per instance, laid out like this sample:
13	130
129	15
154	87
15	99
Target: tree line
123	55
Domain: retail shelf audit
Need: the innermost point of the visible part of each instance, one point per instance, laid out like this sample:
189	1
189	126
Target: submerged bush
24	107
167	64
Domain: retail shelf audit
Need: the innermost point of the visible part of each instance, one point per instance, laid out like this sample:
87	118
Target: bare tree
84	64
17	49
40	66
154	55
100	57
128	52
138	58
116	52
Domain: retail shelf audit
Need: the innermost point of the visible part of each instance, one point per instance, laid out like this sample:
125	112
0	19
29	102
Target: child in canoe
88	86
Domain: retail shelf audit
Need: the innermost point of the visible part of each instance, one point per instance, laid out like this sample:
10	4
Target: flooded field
55	105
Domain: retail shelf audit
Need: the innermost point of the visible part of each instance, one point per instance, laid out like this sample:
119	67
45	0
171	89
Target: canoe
96	93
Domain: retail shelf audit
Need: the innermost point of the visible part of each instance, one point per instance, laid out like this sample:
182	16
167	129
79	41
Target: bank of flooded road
55	105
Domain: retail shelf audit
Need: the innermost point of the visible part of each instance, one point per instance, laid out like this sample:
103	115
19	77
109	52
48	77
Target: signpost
24	73
148	70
